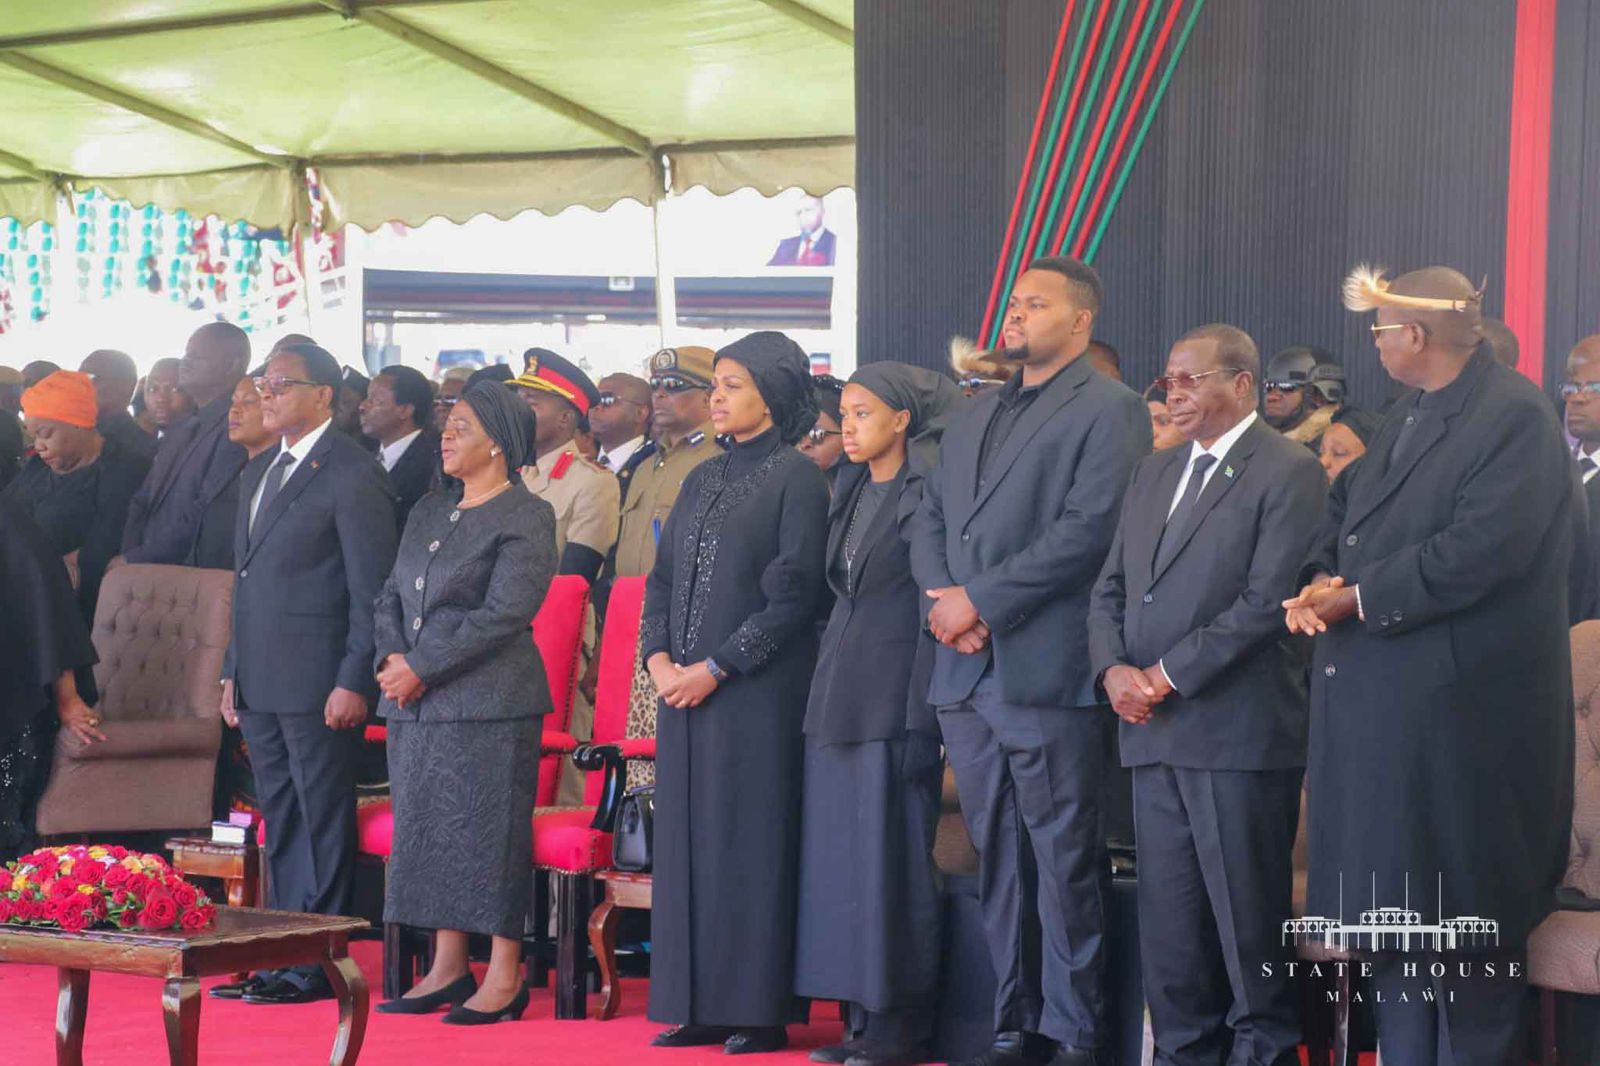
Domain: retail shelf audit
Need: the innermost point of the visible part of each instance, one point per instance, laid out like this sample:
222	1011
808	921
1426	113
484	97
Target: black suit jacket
415	474
1583	588
304	591
1029	539
1449	708
1213	616
194	463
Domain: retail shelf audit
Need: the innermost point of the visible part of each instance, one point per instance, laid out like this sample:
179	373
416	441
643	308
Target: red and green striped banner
1093	118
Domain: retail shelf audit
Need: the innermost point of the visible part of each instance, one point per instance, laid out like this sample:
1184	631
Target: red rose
193	920
75	919
5	880
88	871
185	894
119	853
63	888
159	912
119	896
117	875
7	909
128	919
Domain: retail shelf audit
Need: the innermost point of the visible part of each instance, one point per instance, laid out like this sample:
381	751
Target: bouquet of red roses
76	887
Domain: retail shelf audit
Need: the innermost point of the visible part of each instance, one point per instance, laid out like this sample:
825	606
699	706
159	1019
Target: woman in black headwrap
728	635
1345	440
822	443
868	930
464	692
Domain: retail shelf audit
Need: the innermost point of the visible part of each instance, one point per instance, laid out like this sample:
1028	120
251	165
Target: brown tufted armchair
1564	952
160	632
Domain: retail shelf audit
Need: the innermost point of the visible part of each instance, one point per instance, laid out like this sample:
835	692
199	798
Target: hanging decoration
1079	152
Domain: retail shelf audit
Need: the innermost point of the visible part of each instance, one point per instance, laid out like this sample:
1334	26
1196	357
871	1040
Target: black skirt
868	930
463	793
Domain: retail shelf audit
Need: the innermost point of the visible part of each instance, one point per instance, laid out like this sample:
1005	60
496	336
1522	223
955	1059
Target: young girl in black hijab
729	638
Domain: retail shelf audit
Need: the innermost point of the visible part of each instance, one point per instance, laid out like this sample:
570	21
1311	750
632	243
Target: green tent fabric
410	109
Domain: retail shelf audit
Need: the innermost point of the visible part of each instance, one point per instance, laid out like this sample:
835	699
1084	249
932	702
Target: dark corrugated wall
1297	138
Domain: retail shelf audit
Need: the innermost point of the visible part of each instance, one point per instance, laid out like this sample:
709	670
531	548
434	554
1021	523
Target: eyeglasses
1569	389
446	402
816	434
673	383
1186	382
1284	386
277	385
827	381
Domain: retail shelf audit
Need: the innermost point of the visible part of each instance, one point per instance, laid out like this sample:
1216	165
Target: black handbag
632	840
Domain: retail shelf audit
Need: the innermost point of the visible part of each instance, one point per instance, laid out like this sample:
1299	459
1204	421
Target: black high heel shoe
456	992
511	1012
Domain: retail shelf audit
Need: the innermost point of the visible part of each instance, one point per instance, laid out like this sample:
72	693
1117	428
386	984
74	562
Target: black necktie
270	491
1179	518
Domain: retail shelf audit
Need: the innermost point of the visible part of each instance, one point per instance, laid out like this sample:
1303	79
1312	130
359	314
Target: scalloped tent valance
411	109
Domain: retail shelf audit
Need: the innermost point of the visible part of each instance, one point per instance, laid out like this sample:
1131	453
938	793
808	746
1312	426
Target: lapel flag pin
1227	471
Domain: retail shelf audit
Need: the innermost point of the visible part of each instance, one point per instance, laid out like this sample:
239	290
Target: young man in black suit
195	461
1013	528
1186	634
398	414
314	542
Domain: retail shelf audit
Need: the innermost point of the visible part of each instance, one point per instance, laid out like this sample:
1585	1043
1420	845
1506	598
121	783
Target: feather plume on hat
1366	289
968	360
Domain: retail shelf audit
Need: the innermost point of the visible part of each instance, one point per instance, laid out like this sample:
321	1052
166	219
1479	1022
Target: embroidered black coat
736	578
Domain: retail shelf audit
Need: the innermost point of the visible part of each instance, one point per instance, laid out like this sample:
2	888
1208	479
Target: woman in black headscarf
730	643
45	678
1346	438
868	930
464	692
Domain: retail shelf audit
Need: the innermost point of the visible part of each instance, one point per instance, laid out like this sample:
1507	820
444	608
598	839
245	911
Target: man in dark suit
196	459
397	413
814	245
1013	528
1186	634
1581	392
115	377
1441	763
314	542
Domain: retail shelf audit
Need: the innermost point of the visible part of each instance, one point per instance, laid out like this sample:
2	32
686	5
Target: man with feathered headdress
1440	775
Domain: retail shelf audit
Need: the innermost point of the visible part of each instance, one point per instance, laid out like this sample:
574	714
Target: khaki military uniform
650	498
584	496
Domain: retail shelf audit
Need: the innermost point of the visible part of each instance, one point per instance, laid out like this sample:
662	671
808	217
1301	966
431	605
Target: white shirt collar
1220	446
306	443
616	458
390	454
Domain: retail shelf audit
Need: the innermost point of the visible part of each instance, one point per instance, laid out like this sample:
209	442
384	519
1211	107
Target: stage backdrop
1290	140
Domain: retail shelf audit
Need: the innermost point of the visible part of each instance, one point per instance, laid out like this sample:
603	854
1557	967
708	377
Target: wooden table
238	866
243	938
632	891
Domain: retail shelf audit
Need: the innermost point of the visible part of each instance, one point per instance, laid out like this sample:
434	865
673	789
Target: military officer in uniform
680	393
583	493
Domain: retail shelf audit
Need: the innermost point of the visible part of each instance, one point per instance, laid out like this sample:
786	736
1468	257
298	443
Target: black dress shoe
756	1041
1015	1049
453	994
511	1012
886	1055
237	989
692	1036
290	987
1077	1056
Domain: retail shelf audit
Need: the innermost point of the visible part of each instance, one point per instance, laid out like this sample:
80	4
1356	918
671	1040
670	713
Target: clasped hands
1134	693
954	620
1324	602
398	682
680	686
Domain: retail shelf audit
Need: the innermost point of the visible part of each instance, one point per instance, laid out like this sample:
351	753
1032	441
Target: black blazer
415	474
1449	709
1029	541
1583	587
194	463
459	603
303	594
869	649
1213	616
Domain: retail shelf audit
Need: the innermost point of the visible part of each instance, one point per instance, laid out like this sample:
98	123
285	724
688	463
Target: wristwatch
718	674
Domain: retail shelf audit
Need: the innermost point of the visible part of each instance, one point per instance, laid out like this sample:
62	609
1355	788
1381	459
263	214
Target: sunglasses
979	383
816	434
1186	382
827	381
1283	386
673	383
446	402
277	384
1569	389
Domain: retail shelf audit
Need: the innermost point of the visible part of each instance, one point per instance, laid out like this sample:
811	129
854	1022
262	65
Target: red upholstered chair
558	632
569	844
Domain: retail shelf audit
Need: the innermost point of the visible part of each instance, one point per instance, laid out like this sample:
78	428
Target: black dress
83	511
737	579
868	925
464	759
42	635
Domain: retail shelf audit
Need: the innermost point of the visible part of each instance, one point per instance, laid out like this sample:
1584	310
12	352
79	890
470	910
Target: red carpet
125	1029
